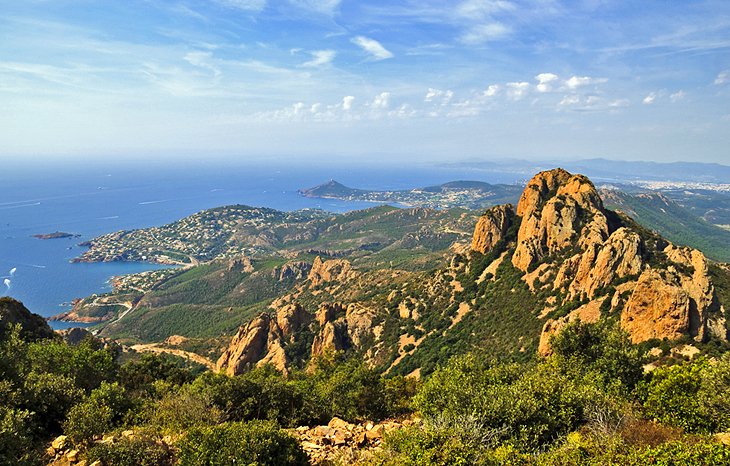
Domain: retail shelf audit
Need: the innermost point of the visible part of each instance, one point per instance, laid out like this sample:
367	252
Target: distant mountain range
604	169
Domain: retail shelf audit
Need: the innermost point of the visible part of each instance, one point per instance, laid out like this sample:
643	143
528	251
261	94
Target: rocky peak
492	227
558	210
567	247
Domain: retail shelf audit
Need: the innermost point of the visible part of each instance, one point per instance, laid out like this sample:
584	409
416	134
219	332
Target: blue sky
412	80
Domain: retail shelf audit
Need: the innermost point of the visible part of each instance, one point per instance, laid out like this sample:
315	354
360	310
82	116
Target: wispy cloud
320	58
373	47
517	90
722	78
482	33
650	99
327	7
245	5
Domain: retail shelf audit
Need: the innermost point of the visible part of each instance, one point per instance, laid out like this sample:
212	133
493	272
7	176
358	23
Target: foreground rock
345	442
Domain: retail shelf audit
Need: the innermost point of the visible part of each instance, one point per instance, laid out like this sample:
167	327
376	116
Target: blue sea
90	200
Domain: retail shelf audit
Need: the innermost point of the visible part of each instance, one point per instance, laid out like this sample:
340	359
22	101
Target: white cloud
202	60
373	47
492	90
320	58
245	5
347	102
677	96
649	99
434	94
544	80
404	111
619	103
484	33
381	101
579	81
723	77
569	100
327	7
517	90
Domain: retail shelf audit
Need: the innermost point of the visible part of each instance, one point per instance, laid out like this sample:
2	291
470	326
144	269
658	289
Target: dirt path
156	348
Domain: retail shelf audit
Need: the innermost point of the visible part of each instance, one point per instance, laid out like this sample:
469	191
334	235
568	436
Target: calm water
90	201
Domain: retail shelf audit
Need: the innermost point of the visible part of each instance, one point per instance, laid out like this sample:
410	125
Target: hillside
560	255
260	258
679	225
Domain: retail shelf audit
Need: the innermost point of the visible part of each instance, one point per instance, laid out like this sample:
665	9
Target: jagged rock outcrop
658	308
242	264
262	341
328	271
292	271
673	302
342	327
567	246
588	313
492	227
558	210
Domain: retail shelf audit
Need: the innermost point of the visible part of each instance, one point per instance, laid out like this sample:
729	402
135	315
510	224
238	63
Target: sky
356	79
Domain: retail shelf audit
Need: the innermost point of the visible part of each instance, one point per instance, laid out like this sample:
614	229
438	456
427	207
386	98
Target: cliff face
262	341
569	246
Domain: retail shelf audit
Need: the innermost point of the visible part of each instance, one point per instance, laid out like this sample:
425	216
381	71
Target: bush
253	443
183	408
678	453
529	406
261	393
415	446
101	412
140	450
85	364
139	375
671	397
602	348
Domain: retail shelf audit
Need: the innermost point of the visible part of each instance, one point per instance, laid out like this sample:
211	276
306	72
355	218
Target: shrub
140	450
671	397
678	453
253	443
85	364
601	348
103	410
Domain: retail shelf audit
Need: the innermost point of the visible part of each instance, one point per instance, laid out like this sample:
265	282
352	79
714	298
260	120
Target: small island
56	235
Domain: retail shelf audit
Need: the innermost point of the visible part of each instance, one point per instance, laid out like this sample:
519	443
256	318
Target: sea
90	199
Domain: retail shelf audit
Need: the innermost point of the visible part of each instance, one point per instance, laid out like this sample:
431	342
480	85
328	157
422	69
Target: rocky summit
557	257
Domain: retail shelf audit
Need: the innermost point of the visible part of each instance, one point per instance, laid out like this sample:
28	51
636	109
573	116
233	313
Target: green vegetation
587	404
